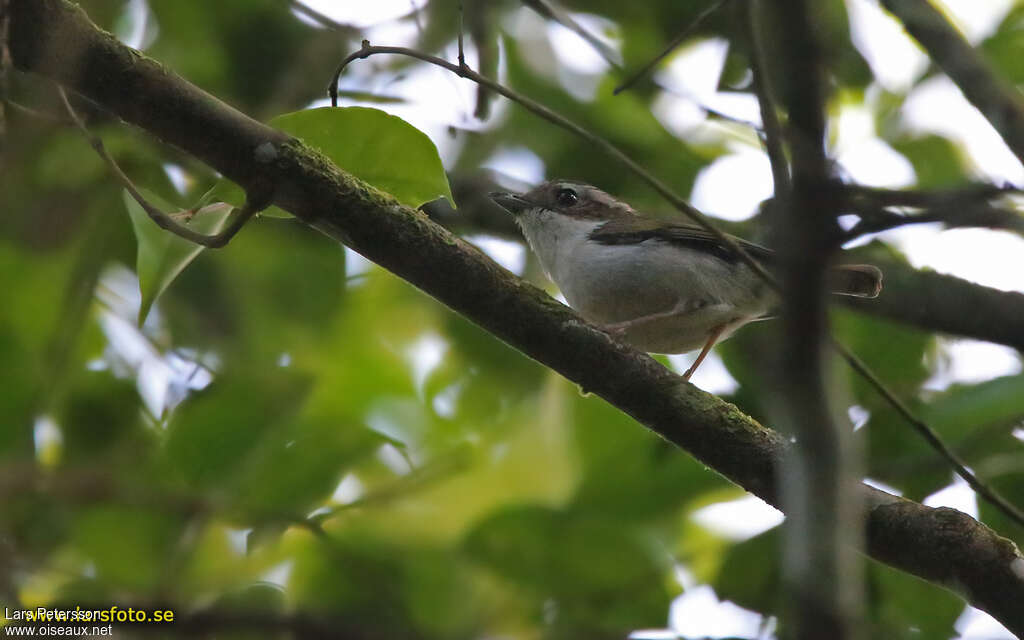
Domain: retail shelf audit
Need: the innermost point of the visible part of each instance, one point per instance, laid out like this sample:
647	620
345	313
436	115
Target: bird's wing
634	230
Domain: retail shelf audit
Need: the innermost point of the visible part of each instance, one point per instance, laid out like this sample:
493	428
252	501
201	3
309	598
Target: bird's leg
618	329
715	333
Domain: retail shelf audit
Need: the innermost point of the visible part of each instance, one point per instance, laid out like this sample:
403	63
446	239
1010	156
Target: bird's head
562	198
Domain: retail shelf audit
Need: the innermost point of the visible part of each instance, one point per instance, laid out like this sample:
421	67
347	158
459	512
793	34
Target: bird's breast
610	284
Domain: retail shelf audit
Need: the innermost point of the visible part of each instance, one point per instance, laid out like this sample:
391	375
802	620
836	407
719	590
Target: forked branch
163	220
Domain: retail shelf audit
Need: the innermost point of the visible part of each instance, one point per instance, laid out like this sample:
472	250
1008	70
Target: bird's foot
616	330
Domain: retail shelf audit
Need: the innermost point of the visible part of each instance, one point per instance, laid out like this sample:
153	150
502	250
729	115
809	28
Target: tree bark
939	302
55	39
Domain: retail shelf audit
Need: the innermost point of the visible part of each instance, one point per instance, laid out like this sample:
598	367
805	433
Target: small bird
662	287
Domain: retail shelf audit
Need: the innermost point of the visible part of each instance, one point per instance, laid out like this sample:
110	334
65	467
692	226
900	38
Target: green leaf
576	561
1005	47
630	473
212	436
962	409
751	574
937	161
407	589
129	546
294	464
898	352
1003	474
98	412
262	597
163	255
975	420
372	145
898	605
903	606
841	56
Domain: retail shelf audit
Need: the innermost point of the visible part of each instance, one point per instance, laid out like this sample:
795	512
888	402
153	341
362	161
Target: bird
662	287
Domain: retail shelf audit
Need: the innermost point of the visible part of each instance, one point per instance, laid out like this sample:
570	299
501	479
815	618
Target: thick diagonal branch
55	39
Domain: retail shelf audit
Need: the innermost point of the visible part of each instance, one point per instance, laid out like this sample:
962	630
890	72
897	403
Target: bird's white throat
554	237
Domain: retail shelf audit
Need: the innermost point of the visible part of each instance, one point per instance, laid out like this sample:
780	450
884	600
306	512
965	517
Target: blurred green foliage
291	430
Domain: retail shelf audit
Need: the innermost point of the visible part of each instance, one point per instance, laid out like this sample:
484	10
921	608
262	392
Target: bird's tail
859	280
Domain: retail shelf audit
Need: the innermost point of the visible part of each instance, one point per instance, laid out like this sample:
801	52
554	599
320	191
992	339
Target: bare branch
462	52
772	137
480	22
824	575
995	98
36	113
932	437
678	40
926	198
5	66
553	12
977	215
937	302
941	545
164	221
610	56
322	19
962	207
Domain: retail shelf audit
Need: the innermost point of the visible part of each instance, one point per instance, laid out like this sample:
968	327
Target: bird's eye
566	197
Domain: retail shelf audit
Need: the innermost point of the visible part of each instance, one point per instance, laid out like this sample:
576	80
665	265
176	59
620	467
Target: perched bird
662	287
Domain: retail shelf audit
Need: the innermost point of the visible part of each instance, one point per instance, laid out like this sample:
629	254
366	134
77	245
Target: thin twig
689	29
462	51
479	25
611	57
543	112
961	207
552	12
320	18
164	221
926	198
998	100
415	13
35	113
981	215
931	437
711	111
5	66
420	478
772	138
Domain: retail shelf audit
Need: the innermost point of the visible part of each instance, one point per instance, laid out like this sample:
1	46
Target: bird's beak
511	202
